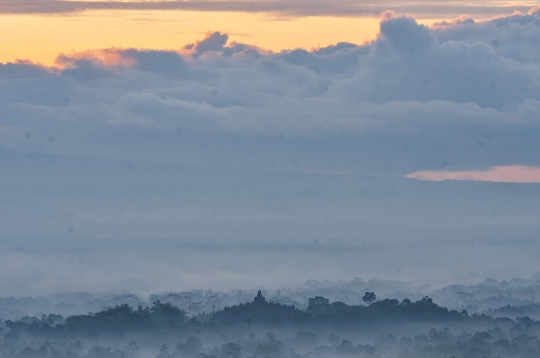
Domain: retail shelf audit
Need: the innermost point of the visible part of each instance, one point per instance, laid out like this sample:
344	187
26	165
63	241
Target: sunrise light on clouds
44	37
40	30
401	95
507	174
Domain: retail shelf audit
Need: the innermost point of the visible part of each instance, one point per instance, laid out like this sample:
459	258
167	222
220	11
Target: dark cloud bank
459	95
226	165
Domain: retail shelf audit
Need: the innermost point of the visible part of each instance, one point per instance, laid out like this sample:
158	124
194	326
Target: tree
318	304
369	297
231	350
191	348
305	339
270	346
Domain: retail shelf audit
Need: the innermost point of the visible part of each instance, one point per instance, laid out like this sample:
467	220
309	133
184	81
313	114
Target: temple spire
259	299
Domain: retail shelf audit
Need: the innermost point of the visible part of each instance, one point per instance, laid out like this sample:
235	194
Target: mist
76	224
221	200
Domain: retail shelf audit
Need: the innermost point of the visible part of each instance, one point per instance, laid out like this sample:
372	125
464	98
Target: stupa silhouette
259	300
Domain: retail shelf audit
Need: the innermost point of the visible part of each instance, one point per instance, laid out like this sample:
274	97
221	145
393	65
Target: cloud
408	63
507	174
213	41
415	98
425	8
514	37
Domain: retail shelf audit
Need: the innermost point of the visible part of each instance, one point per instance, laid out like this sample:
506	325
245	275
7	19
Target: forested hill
164	318
262	329
321	312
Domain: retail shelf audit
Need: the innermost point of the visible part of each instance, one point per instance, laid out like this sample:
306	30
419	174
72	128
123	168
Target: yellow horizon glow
41	39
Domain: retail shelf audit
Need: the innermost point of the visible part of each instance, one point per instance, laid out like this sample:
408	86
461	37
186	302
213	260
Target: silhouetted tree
318	305
369	297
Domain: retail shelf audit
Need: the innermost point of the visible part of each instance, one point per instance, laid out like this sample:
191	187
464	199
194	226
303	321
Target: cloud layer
425	8
460	95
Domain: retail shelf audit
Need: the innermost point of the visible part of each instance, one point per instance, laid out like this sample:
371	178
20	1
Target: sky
308	122
455	94
40	30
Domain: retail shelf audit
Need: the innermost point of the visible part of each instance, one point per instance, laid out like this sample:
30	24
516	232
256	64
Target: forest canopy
261	328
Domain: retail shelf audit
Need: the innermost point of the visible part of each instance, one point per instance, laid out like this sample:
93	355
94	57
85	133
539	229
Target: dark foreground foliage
385	328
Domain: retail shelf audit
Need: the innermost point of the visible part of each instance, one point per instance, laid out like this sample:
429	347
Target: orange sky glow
40	30
40	38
